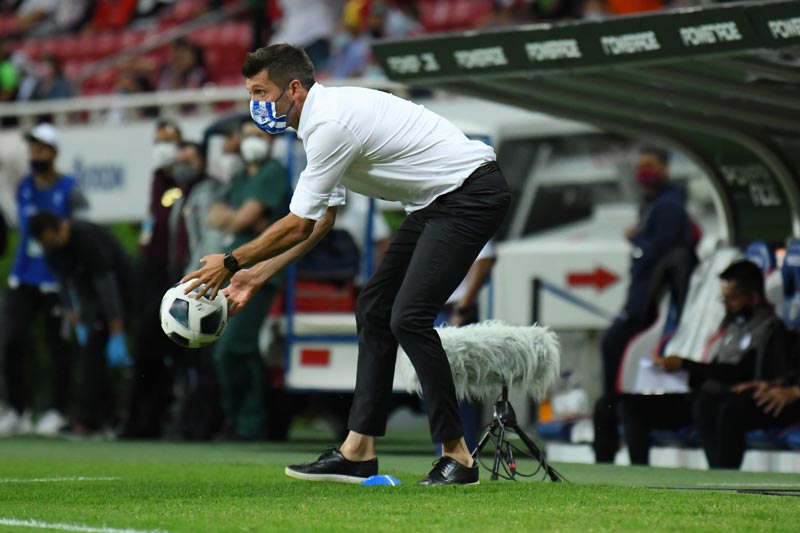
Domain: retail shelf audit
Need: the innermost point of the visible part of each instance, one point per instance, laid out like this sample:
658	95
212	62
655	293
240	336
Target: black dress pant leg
431	254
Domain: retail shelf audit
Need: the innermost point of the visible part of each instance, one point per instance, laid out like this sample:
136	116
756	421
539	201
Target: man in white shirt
455	195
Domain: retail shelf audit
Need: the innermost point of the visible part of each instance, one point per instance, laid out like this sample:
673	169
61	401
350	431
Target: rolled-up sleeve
330	149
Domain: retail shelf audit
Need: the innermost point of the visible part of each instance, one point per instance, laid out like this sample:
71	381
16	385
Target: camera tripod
504	421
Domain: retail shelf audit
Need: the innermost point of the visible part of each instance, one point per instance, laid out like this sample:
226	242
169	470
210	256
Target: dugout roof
721	84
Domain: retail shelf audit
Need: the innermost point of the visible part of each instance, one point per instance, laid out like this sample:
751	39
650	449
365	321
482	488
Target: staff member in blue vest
33	290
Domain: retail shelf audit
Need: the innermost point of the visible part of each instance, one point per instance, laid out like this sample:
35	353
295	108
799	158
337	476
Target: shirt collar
308	106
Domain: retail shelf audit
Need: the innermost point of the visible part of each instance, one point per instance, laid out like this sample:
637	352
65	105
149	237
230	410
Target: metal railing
93	109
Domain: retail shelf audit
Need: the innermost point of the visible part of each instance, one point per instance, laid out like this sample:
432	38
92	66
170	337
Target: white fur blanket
485	356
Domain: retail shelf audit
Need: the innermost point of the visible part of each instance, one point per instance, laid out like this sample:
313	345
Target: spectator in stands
753	346
163	253
231	162
185	69
97	281
663	232
255	198
33	290
751	343
311	25
199	414
9	75
51	82
131	82
46	18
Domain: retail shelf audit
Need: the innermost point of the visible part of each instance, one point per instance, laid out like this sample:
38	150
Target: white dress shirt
380	146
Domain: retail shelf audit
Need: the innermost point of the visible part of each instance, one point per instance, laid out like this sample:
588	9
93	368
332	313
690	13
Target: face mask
39	166
184	172
164	154
254	149
649	177
265	115
231	164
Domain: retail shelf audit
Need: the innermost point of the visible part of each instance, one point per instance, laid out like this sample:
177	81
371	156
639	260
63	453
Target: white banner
113	164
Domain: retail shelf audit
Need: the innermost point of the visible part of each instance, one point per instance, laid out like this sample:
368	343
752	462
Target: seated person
752	345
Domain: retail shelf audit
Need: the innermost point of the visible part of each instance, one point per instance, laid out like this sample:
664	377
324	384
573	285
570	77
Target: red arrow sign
599	279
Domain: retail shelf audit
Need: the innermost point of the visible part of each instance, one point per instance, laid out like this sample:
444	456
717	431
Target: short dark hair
42	221
746	275
164	123
283	63
659	153
196	146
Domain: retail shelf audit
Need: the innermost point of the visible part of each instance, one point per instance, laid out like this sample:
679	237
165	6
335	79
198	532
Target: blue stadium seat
557	430
790	437
763	255
790	272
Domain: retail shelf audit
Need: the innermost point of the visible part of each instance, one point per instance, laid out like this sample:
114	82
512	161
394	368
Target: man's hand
243	285
213	275
670	363
774	399
757	387
455	319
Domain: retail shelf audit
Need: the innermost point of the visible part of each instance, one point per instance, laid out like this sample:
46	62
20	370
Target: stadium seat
450	15
790	273
763	255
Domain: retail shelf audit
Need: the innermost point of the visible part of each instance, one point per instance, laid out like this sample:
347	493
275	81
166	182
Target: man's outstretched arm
283	236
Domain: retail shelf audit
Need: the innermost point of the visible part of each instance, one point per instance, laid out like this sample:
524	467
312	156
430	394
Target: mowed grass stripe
219	488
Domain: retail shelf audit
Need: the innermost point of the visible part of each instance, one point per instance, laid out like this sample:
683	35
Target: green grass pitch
125	486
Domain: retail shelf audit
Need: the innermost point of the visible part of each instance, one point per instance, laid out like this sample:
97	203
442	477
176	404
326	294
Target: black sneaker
333	466
448	471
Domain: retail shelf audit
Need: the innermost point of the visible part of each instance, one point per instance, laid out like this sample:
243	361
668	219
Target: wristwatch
230	263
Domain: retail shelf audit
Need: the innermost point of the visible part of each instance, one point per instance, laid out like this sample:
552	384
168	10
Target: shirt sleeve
330	149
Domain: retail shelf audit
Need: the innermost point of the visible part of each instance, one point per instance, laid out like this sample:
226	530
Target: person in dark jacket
753	347
97	279
752	344
664	229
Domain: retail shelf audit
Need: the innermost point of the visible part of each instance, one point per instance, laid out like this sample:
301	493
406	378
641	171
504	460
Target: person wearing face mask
255	197
231	161
753	345
456	197
162	256
33	290
97	278
664	235
198	412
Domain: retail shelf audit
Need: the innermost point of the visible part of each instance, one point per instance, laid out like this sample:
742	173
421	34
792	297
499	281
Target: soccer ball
193	322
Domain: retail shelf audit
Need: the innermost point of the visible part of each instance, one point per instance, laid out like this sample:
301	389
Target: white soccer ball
193	322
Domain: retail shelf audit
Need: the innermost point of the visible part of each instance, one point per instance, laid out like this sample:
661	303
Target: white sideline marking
54	479
70	527
746	485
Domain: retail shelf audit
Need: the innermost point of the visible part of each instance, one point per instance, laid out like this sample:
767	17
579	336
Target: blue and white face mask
265	115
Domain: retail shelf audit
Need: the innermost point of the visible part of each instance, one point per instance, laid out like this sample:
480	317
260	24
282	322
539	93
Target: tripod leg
552	473
484	439
498	451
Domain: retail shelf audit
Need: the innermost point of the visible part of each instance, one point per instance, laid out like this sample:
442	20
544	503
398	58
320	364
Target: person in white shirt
456	197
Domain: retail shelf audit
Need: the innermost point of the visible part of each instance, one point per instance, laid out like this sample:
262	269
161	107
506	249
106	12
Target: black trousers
432	252
642	413
723	420
24	304
606	410
152	375
94	400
